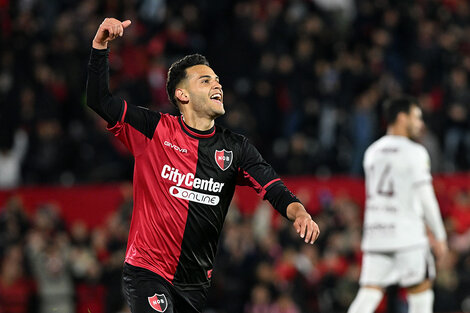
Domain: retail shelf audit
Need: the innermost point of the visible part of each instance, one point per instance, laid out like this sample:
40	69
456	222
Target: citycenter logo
188	180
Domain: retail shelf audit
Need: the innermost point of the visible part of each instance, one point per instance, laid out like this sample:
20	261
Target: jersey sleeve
422	181
136	127
421	167
255	172
133	125
432	214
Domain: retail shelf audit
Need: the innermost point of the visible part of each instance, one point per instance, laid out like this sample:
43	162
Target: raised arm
133	125
99	98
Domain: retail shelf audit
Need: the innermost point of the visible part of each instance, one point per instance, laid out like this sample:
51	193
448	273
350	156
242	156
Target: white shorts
406	267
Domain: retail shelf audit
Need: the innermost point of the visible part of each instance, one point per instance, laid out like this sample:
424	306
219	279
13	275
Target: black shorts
147	292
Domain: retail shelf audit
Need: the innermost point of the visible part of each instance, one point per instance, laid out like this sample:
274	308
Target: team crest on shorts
158	302
223	158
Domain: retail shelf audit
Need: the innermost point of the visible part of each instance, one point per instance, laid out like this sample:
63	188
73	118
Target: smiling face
201	92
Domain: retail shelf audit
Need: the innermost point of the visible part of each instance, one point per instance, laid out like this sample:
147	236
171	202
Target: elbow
90	99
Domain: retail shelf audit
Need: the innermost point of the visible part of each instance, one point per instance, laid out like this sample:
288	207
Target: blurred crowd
48	266
262	266
303	79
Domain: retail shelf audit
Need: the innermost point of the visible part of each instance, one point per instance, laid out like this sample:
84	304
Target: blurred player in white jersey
400	204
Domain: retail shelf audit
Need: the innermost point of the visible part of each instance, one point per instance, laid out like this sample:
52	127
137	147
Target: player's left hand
306	227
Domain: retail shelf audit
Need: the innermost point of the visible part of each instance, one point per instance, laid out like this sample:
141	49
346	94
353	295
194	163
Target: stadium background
304	80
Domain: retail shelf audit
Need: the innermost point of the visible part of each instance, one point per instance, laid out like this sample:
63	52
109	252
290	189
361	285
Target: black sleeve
280	197
99	99
254	171
110	108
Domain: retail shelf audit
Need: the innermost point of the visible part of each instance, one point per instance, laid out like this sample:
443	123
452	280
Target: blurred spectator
17	290
14	223
460	213
47	156
11	159
284	304
363	123
260	300
48	251
457	136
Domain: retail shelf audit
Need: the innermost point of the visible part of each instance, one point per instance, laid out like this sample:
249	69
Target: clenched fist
109	30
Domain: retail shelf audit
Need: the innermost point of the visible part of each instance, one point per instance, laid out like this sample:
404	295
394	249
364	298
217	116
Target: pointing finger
126	23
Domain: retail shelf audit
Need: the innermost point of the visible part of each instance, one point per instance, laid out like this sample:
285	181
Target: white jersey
394	218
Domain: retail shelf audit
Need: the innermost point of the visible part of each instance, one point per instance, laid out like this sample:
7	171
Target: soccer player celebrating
185	173
400	203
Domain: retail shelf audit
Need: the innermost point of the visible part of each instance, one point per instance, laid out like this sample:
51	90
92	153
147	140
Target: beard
208	107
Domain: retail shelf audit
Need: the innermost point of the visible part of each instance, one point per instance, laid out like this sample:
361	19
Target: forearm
295	209
99	98
99	45
431	212
281	198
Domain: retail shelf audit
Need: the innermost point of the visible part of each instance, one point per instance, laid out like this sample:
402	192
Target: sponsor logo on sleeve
158	302
223	158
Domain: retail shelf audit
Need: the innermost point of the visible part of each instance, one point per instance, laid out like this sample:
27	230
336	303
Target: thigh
146	292
190	301
416	265
378	269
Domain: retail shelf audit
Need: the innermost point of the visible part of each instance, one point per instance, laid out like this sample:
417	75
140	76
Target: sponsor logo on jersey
194	196
223	158
188	186
158	302
175	147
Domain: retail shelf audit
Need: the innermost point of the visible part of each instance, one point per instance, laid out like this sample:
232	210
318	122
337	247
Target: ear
181	95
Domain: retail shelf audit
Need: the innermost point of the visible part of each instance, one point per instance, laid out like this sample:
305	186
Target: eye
205	81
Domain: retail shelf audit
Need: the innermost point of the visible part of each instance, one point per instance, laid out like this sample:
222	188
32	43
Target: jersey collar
194	132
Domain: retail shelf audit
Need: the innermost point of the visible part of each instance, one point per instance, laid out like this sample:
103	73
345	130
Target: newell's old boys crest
158	302
223	158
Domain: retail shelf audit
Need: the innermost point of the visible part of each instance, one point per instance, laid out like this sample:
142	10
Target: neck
196	122
395	130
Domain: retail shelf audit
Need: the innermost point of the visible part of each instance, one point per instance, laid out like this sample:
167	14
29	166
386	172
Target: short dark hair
177	73
394	106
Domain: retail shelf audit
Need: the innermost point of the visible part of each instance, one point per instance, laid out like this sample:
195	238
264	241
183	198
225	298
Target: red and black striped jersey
184	180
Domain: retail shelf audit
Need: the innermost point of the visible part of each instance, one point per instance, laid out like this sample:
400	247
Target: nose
217	85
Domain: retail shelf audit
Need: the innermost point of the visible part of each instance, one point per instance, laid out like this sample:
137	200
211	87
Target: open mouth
217	97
